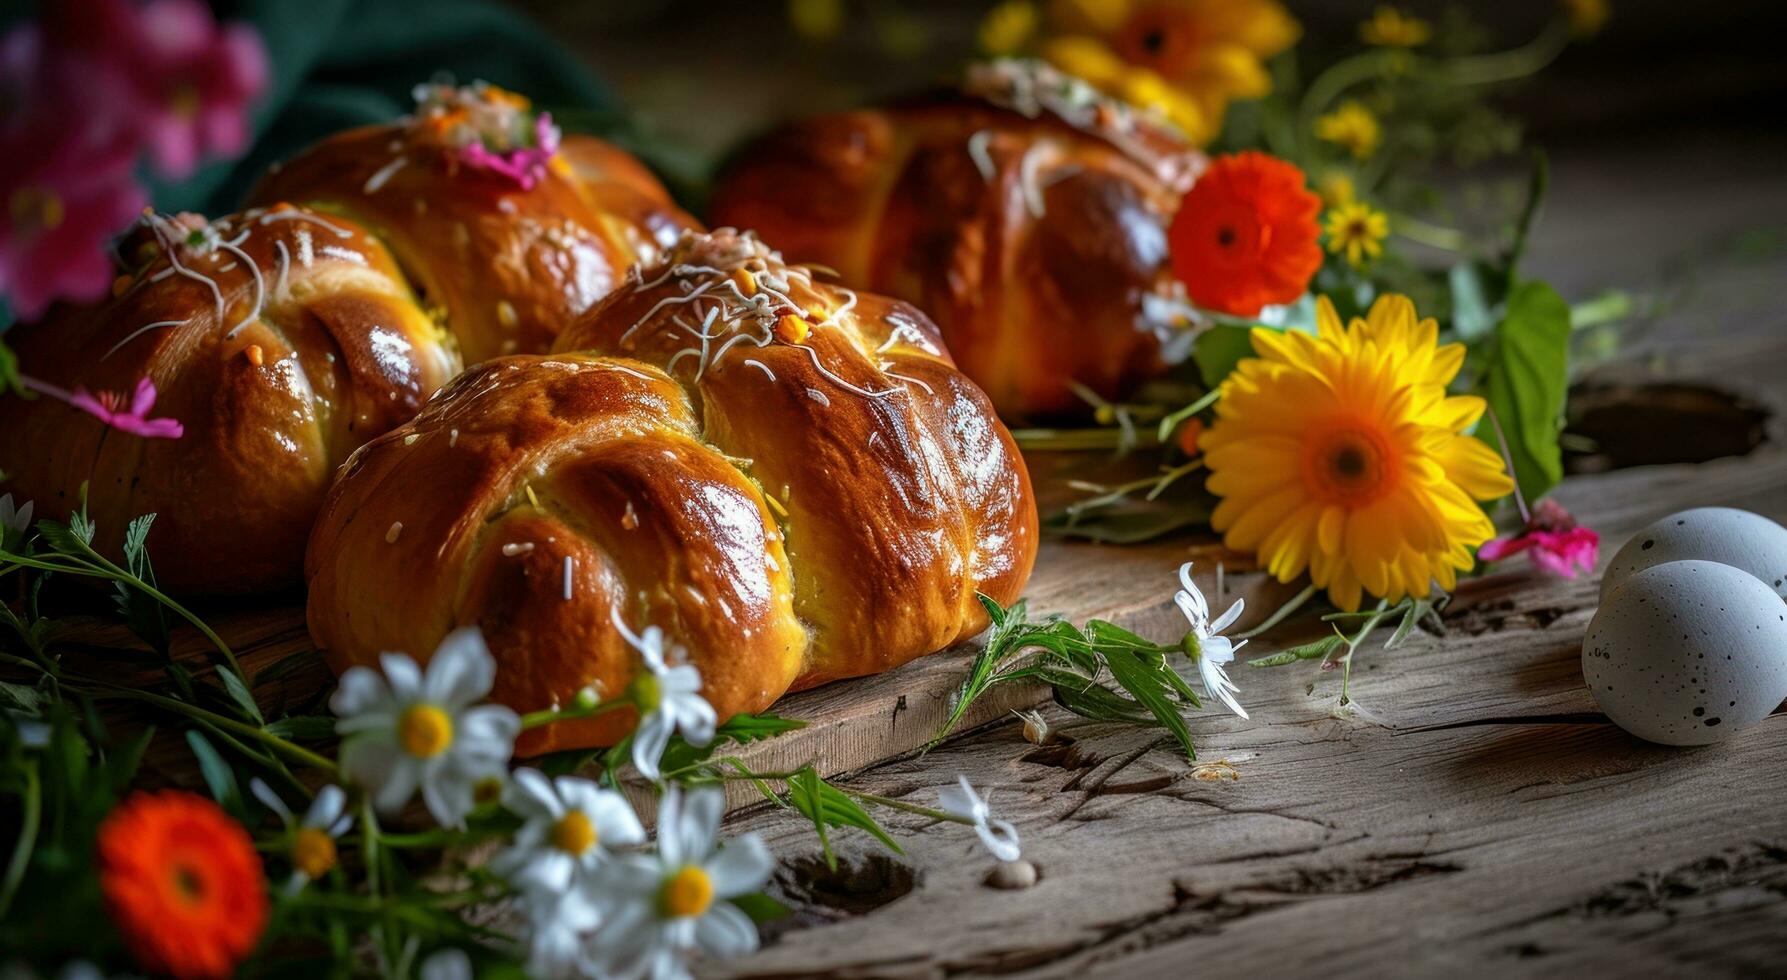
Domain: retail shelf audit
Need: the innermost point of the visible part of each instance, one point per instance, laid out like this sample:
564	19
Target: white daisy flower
14	523
661	906
1204	644
667	700
571	826
559	925
1000	837
313	838
411	728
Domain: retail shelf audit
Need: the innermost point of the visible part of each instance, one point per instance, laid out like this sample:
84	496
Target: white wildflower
667	700
409	729
313	837
661	907
1208	648
1000	837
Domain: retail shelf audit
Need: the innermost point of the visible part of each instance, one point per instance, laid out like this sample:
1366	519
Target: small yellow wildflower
1351	127
1007	27
1587	17
1391	28
1336	188
1357	230
816	20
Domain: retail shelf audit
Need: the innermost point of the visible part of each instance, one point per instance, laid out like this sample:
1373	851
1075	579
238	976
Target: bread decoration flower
666	698
490	129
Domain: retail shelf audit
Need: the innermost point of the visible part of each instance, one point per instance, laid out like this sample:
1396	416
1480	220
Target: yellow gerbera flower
1007	27
1391	28
1342	454
1358	230
1352	127
1190	58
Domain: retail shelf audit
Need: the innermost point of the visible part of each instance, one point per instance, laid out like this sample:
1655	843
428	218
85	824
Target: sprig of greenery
1102	672
1407	614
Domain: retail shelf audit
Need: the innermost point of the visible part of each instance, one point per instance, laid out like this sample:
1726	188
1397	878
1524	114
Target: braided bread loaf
511	255
280	339
1027	215
790	478
283	337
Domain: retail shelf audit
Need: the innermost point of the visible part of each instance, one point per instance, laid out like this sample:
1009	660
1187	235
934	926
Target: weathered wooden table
1472	811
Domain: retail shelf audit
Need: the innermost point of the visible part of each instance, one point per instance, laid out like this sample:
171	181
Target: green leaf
760	907
64	539
239	693
218	776
1526	383
827	806
1535	198
1307	651
303	728
739	729
285	665
1219	349
1144	682
145	616
26	699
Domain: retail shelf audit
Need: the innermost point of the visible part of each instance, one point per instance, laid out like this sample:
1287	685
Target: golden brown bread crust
1032	231
790	509
511	267
271	402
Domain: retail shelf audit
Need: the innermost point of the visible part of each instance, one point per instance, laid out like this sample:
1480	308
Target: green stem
99	567
1296	602
1506	66
1427	233
1352	644
534	719
292	750
903	806
31	812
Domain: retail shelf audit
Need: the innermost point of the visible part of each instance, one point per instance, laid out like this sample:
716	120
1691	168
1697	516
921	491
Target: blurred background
706	72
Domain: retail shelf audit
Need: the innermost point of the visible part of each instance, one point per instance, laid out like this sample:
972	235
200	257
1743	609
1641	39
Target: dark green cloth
343	63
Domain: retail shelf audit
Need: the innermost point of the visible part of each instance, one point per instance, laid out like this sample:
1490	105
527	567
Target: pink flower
183	81
66	185
525	165
1554	540
109	407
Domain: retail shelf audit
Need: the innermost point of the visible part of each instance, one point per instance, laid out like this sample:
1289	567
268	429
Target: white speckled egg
1722	534
1688	652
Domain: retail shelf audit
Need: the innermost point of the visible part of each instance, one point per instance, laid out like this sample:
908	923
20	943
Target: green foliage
828	807
1526	381
1219	349
146	617
1103	672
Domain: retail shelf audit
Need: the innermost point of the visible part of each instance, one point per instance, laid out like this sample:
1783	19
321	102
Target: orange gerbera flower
1246	235
183	883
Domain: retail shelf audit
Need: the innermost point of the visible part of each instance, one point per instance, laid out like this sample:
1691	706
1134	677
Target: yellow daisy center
686	894
313	852
574	834
424	731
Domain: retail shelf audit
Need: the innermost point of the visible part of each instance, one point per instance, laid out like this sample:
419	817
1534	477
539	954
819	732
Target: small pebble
1012	875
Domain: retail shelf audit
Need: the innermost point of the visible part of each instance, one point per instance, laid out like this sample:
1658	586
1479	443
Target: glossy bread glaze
510	266
811	491
281	339
1028	218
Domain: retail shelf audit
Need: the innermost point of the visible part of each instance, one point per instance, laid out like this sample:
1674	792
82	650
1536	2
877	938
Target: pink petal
1507	547
84	400
143	399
